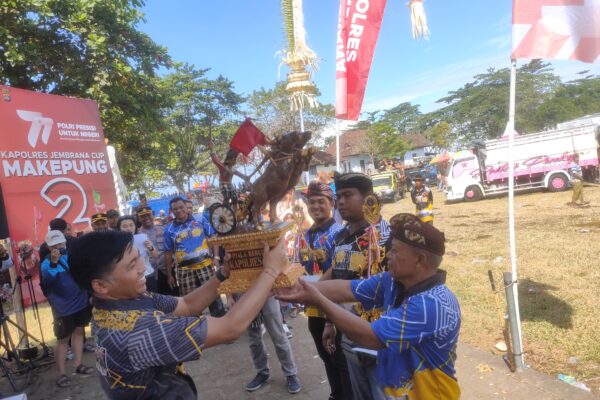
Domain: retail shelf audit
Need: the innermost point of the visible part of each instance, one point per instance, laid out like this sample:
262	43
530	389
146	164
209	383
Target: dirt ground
557	249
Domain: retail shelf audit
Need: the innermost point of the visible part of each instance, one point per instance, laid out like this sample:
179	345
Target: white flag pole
514	314
337	145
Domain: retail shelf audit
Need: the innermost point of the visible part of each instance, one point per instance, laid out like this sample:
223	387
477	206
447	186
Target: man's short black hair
94	255
188	201
354	180
175	200
58	224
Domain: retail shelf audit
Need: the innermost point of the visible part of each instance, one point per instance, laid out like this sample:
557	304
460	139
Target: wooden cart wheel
222	219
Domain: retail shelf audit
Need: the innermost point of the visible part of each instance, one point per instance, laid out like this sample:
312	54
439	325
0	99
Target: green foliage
270	110
198	109
479	110
404	117
439	135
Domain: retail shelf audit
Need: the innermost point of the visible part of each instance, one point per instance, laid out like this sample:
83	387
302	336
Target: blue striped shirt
139	344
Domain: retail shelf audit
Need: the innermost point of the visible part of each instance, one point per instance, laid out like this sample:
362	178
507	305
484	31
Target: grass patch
558	275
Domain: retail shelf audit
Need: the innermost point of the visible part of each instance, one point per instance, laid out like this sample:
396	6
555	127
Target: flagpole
514	314
337	145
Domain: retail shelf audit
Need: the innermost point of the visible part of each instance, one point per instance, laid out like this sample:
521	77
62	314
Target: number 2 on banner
65	197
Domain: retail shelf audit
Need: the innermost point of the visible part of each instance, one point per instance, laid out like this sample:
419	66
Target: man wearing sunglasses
417	334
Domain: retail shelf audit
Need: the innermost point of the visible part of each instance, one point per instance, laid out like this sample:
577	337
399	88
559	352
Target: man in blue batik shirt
186	246
316	259
417	334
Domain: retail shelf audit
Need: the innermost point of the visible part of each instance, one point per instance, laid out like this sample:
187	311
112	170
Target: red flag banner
247	137
358	29
556	29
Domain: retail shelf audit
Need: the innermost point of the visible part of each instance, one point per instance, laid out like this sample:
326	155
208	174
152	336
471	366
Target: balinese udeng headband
319	189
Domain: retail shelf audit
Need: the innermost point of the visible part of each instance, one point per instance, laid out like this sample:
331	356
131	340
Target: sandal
84	370
63	381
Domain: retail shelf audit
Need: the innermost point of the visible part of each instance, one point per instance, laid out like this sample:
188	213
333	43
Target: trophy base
240	280
246	249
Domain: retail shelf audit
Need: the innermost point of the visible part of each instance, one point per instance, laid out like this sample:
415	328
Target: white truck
541	162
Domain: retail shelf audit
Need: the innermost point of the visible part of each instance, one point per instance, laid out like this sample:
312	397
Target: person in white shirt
141	242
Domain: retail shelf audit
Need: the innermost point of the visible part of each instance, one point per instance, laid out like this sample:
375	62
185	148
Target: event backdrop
53	162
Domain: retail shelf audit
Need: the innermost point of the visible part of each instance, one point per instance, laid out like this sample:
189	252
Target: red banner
53	162
358	29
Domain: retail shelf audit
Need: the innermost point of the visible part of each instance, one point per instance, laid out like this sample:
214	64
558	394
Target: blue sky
240	38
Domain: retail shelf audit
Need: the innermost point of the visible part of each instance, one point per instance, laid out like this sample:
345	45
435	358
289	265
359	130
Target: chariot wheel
222	219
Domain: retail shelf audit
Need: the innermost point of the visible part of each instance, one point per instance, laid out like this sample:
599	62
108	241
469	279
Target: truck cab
541	161
387	186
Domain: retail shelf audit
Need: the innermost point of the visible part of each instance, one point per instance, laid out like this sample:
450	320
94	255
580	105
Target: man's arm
357	329
234	323
169	268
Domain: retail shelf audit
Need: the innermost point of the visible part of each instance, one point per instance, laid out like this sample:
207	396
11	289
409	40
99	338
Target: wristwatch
220	275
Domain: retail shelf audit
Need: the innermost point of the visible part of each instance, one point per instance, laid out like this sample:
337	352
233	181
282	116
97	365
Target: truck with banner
541	162
53	163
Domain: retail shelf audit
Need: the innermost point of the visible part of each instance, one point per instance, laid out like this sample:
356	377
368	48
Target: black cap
99	217
112	213
144	211
409	228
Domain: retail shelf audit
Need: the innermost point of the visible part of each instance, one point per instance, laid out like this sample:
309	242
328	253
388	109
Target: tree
479	110
270	110
404	117
91	49
199	108
571	100
439	135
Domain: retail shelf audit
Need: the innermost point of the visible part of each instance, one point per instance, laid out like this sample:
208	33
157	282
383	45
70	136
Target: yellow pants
577	191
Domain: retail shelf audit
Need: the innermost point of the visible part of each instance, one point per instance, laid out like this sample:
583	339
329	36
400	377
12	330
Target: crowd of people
382	320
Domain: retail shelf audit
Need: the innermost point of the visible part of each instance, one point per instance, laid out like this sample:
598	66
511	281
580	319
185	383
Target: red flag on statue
358	29
247	137
558	29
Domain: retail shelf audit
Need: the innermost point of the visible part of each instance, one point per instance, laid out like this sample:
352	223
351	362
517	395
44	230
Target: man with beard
316	257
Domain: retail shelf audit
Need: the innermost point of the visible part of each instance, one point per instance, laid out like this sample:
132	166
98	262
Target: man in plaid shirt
186	246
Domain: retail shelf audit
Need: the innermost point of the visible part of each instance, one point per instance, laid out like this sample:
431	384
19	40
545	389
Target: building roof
322	158
351	144
416	140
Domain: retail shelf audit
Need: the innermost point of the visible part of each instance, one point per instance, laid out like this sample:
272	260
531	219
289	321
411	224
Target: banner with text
53	162
358	29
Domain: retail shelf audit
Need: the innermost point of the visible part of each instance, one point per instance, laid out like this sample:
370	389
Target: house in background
321	162
420	148
353	155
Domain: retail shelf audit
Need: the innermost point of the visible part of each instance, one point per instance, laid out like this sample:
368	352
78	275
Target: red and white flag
558	29
358	29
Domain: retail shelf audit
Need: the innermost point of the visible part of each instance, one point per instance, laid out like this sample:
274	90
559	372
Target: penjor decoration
300	58
418	19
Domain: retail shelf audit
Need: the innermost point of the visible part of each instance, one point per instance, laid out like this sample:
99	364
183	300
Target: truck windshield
382	181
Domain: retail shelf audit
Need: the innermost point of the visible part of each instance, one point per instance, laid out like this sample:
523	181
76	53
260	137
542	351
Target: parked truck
541	161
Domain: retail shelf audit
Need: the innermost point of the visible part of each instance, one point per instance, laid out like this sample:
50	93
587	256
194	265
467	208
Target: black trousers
335	364
162	285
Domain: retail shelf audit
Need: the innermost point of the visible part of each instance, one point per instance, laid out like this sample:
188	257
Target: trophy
238	221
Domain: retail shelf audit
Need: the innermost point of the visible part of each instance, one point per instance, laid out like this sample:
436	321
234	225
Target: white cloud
502	42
